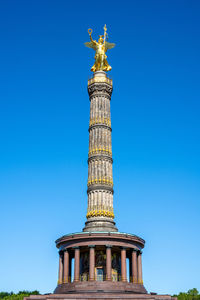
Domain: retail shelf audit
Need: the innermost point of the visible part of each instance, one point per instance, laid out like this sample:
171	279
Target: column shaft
70	268
108	263
92	263
77	264
100	155
123	264
140	268
60	272
134	267
66	266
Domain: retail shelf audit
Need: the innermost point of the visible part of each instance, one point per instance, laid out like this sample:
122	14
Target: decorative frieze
100	121
100	151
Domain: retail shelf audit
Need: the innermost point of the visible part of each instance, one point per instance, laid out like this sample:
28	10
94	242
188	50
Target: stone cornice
108	238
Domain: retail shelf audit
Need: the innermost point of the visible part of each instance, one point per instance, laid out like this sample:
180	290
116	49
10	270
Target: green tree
19	296
193	292
3	294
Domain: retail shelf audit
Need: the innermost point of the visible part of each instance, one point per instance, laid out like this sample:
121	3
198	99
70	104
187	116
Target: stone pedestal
112	294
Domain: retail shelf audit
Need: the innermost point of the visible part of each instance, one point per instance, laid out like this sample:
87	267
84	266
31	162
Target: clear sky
44	117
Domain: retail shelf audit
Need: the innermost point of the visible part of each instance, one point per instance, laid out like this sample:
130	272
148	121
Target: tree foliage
19	296
192	294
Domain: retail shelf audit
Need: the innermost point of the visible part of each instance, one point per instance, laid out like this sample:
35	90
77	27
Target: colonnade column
123	264
92	262
77	264
139	260
134	266
108	263
60	271
66	266
70	268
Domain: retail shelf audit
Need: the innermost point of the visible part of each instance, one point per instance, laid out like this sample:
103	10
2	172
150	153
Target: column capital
91	246
134	249
76	247
108	246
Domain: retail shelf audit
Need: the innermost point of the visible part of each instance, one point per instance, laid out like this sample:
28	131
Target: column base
100	224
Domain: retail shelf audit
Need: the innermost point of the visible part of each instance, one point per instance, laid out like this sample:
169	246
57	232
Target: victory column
93	263
100	178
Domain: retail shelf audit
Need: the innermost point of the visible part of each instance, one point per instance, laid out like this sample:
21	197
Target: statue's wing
90	45
109	45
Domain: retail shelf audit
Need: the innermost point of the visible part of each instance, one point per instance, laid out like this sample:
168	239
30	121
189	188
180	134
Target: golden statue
100	47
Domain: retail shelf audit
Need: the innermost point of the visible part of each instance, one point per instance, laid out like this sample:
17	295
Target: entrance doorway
99	274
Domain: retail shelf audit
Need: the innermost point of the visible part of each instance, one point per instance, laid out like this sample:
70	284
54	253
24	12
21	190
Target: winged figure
100	47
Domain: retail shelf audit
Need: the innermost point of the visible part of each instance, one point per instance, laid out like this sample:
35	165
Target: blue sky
44	117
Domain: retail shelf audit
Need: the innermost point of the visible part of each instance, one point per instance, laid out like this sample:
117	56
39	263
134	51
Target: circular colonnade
100	257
